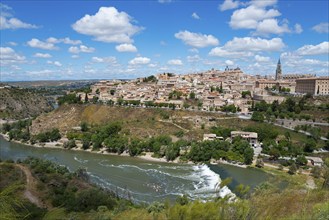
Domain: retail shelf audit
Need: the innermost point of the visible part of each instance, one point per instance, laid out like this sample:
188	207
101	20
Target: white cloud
257	17
222	52
8	56
193	50
55	63
248	18
254	44
14	23
195	15
260	59
245	47
11	43
271	26
263	3
298	28
229	4
109	60
164	1
197	39
36	43
108	25
176	62
322	48
229	62
139	60
192	59
65	40
74	56
81	49
321	28
152	65
42	55
126	48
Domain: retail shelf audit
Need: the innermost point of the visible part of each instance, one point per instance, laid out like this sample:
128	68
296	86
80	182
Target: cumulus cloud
229	62
271	26
197	39
246	47
164	1
55	63
228	4
193	59
140	60
195	16
176	62
321	28
65	40
298	28
81	49
261	59
108	25
322	48
254	44
256	16
126	48
193	50
42	55
109	60
36	43
223	52
8	56
7	21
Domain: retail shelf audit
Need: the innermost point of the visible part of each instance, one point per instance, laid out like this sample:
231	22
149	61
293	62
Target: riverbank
147	156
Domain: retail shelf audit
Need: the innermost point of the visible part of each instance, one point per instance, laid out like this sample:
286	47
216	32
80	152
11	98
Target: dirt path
178	126
310	183
31	192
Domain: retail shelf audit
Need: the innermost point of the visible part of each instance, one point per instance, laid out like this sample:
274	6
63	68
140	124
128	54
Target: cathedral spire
278	72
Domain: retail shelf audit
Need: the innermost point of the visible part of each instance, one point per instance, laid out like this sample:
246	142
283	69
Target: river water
141	180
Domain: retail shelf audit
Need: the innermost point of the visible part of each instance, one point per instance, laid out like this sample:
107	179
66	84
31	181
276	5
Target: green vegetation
18	103
70	98
70	196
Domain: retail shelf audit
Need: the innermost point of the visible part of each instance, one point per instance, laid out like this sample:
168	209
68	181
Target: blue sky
52	40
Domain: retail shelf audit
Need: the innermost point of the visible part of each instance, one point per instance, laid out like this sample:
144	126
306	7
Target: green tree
248	155
310	145
192	95
257	116
84	126
301	160
292	169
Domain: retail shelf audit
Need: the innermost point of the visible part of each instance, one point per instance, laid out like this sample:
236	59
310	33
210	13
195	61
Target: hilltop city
213	89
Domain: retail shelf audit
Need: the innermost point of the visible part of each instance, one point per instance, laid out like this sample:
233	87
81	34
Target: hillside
139	122
66	195
21	103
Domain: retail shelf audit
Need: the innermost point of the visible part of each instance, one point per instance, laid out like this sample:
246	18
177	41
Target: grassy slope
294	202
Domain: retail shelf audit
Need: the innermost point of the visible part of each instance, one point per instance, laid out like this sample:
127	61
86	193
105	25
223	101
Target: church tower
278	72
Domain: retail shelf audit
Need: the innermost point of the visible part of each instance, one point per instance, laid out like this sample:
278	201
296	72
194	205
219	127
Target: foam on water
80	160
198	182
208	184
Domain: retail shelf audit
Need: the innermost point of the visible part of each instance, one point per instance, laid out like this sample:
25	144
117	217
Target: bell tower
278	72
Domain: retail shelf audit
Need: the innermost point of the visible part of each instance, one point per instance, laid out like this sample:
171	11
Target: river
141	180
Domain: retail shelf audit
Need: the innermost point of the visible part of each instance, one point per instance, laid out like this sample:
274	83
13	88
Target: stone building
314	86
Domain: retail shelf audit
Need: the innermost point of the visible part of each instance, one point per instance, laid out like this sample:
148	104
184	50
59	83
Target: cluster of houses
213	89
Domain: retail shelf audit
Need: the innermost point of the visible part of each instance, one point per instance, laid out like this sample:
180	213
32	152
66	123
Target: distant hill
16	103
